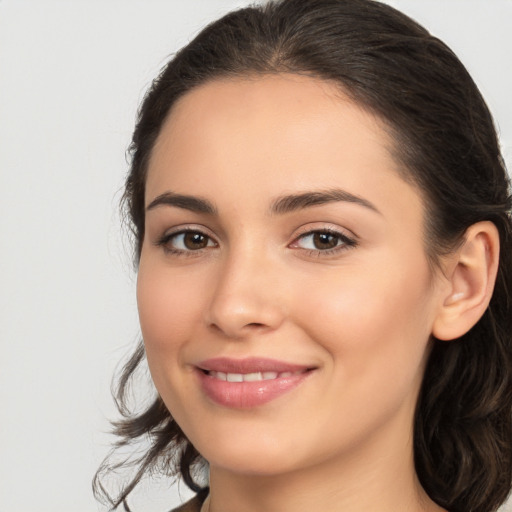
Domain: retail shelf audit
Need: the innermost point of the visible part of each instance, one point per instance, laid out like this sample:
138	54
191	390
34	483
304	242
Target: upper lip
250	365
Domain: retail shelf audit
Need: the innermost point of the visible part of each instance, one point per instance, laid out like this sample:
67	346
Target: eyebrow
192	203
293	202
281	205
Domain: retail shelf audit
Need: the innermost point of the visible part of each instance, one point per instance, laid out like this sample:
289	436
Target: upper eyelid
168	234
347	240
193	228
302	231
325	227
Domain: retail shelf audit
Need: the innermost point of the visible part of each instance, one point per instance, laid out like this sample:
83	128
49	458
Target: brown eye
186	242
323	240
194	241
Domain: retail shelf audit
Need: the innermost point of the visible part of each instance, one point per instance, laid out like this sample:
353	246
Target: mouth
251	377
247	383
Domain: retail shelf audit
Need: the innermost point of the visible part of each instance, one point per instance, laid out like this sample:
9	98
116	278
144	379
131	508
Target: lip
243	395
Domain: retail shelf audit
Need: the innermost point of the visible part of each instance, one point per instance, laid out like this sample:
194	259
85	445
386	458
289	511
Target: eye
186	241
323	241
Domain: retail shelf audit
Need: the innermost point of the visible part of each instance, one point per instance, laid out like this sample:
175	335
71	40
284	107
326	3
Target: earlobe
472	275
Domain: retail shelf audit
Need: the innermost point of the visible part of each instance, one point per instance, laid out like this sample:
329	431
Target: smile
251	377
249	382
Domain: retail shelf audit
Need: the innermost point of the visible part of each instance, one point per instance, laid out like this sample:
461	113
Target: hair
446	145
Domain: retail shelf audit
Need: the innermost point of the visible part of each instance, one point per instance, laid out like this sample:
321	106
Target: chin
255	458
259	466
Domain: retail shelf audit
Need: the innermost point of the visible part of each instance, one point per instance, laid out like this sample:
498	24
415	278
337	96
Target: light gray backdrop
71	76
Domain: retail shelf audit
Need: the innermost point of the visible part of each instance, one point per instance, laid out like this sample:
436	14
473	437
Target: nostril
238	331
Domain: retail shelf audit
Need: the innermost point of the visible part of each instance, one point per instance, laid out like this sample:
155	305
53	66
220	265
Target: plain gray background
71	76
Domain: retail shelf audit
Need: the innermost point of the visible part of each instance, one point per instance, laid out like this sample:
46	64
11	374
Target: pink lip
248	394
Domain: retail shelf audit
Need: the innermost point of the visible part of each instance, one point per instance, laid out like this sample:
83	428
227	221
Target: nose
247	298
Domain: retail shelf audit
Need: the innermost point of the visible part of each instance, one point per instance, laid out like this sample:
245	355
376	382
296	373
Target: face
285	298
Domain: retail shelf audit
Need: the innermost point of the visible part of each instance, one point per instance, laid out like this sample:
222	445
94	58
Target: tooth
251	377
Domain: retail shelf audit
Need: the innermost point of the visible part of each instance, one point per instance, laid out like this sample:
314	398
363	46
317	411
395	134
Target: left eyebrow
293	202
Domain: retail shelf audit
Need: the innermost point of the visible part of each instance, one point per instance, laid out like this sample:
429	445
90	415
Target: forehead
301	100
272	134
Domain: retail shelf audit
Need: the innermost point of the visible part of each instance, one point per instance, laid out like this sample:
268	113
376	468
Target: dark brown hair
447	146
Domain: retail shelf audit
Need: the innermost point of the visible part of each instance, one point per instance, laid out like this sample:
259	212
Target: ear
471	275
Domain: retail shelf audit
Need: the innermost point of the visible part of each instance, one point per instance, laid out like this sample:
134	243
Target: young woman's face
285	297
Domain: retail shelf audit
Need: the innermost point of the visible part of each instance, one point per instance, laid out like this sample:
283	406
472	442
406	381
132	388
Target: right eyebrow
192	203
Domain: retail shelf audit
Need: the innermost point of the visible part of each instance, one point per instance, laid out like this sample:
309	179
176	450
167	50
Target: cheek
169	308
372	322
374	328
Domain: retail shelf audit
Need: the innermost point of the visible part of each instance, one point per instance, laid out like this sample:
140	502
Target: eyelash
165	240
344	242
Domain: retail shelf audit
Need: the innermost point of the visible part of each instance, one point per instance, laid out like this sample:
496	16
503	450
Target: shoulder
194	505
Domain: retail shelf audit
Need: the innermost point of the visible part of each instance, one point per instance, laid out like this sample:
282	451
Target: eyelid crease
188	228
322	226
168	235
347	241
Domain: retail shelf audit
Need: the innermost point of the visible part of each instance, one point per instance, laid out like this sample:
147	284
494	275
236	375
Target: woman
322	230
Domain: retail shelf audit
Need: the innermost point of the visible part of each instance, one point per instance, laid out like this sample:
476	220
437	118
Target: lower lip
244	395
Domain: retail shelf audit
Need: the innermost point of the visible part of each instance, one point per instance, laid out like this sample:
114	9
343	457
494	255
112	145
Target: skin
362	314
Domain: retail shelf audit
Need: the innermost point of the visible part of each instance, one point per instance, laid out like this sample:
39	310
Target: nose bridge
246	296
